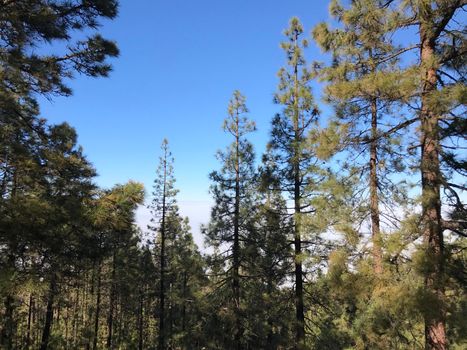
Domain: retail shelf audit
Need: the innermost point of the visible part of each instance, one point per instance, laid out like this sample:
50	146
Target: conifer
231	214
162	205
289	148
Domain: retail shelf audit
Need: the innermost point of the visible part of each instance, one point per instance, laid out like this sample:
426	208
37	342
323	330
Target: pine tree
65	187
26	25
148	273
289	146
113	218
233	204
163	204
440	53
430	88
185	277
433	24
365	85
20	176
272	262
439	99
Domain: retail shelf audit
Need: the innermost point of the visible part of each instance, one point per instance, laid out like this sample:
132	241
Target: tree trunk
67	322
374	200
110	317
90	306
8	330
74	324
299	304
141	320
34	333
435	332
8	324
236	246
121	327
170	317
28	331
49	312
270	336
162	263
98	306
185	281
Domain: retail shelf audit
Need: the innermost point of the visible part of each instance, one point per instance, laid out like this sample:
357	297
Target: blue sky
180	62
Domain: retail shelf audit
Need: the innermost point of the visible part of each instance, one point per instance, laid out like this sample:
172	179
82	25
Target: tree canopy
347	232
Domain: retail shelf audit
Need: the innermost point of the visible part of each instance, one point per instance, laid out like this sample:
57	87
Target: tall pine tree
162	205
230	217
292	155
365	85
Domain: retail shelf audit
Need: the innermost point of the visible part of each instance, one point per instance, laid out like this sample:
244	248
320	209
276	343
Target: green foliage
231	226
285	240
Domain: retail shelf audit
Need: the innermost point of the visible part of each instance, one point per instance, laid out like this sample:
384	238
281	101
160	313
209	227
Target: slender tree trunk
374	200
162	263
147	316
170	317
121	330
34	332
435	332
98	306
49	312
83	324
269	338
8	324
67	322
185	281
299	304
141	319
74	325
8	330
28	330
236	245
110	317
58	313
90	306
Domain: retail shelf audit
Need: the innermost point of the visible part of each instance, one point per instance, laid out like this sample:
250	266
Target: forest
347	232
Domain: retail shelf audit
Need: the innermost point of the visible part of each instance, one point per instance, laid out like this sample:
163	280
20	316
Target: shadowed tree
113	217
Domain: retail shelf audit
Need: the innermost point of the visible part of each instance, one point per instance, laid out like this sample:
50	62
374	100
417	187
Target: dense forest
347	232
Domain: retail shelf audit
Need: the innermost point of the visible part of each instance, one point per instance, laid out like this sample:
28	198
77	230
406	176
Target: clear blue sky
180	61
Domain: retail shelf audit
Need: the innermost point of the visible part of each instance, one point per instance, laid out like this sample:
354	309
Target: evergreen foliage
349	233
230	228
